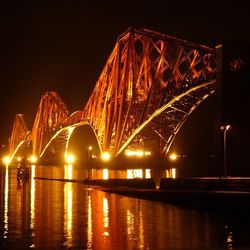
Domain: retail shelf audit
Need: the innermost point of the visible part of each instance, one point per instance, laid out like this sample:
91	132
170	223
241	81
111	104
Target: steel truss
19	133
149	85
145	72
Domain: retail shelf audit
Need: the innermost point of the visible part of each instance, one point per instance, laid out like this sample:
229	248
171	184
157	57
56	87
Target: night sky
63	46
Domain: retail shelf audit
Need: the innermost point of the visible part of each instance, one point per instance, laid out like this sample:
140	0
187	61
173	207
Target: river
46	214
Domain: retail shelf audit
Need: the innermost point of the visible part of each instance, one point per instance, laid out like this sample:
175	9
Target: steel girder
51	130
19	132
51	115
150	84
145	71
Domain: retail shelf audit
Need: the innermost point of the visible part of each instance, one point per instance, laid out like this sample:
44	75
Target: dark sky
63	46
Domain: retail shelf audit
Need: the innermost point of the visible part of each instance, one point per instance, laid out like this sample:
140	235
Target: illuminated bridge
148	87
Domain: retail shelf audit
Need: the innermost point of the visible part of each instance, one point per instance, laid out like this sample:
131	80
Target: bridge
148	87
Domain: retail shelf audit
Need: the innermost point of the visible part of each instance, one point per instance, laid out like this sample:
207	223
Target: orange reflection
32	199
130	225
135	227
105	174
90	222
105	216
6	200
65	215
171	173
167	174
148	173
68	172
68	196
134	173
141	229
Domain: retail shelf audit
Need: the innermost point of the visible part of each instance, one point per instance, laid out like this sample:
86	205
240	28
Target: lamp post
225	128
173	157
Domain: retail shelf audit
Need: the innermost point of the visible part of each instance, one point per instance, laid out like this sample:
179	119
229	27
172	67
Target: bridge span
148	87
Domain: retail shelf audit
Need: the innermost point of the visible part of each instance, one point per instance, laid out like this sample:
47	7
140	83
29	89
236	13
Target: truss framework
51	114
149	85
145	71
19	132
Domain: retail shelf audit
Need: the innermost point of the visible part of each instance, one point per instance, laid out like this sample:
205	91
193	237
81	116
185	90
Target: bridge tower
149	86
19	134
52	113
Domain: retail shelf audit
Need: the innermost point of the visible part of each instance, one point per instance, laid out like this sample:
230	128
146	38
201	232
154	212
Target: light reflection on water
68	206
68	198
32	202
105	216
89	223
68	172
141	229
52	214
6	201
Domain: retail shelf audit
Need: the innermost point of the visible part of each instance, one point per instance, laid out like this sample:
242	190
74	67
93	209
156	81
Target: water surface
47	214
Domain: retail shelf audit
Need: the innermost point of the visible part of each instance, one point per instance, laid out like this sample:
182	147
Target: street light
173	157
225	128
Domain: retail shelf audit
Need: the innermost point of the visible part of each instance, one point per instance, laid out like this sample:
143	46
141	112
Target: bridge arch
82	142
149	85
198	93
23	149
144	78
59	142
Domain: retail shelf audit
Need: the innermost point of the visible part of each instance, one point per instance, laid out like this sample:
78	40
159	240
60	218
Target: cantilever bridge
149	86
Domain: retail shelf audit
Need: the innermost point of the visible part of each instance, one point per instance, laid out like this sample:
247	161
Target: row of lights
138	153
70	158
224	128
7	159
106	156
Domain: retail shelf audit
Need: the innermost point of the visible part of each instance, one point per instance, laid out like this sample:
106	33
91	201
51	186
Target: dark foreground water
56	215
